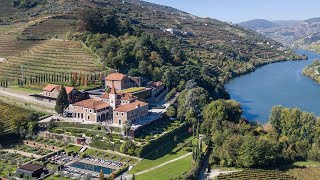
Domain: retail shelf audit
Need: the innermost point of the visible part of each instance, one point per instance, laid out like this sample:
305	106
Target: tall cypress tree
62	101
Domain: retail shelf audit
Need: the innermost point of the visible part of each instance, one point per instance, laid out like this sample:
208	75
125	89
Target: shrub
170	94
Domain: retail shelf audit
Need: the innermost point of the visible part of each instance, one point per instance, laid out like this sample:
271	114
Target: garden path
23	153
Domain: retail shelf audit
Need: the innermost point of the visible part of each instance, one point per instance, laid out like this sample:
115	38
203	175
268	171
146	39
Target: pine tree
62	101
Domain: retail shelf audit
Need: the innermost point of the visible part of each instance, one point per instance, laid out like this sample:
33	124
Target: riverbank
257	64
312	71
275	84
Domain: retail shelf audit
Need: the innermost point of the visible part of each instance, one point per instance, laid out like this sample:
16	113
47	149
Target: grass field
168	171
306	163
25	90
9	112
158	158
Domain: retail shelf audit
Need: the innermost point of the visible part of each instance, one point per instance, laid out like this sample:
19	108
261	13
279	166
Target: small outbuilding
30	170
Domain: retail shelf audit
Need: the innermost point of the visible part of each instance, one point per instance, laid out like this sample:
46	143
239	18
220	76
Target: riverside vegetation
312	71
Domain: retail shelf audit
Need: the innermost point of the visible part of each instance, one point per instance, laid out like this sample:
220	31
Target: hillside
228	49
303	34
257	24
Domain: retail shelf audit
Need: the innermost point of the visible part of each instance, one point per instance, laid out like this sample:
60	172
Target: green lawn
168	171
73	148
306	163
25	90
152	160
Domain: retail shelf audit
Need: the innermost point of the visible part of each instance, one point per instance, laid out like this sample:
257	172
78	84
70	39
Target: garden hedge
161	140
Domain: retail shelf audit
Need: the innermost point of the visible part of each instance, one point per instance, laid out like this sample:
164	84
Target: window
117	114
122	114
88	117
90	110
119	121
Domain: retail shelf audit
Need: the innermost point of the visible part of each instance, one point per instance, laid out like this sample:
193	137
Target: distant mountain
257	24
305	34
285	22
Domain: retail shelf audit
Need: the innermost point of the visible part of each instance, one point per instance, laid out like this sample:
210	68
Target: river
279	83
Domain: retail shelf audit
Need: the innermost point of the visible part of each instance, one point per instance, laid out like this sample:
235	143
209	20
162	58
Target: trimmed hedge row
161	140
79	125
119	171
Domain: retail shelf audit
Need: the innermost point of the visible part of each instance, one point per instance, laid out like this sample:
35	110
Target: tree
128	147
126	128
218	111
1	127
195	100
275	118
101	175
31	127
62	101
171	111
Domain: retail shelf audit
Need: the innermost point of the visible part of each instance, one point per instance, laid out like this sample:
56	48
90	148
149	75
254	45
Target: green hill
228	49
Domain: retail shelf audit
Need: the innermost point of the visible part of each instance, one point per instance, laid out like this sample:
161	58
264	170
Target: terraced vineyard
9	44
49	28
50	56
256	175
310	173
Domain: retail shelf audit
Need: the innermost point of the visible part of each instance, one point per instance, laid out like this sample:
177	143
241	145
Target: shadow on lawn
170	148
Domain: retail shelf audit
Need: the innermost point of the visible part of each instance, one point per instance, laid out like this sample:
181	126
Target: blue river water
276	84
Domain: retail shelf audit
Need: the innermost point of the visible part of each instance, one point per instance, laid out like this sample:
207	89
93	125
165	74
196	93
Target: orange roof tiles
131	106
92	104
115	77
51	87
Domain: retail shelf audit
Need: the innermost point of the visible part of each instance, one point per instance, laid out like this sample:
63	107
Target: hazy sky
243	10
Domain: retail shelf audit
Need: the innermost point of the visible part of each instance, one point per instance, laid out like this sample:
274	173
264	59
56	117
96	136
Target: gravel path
159	166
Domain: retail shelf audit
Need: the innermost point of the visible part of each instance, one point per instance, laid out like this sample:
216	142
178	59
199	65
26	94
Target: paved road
159	166
27	99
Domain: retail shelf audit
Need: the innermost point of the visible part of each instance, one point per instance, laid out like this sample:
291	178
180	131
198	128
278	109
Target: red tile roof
51	87
131	106
115	77
92	104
